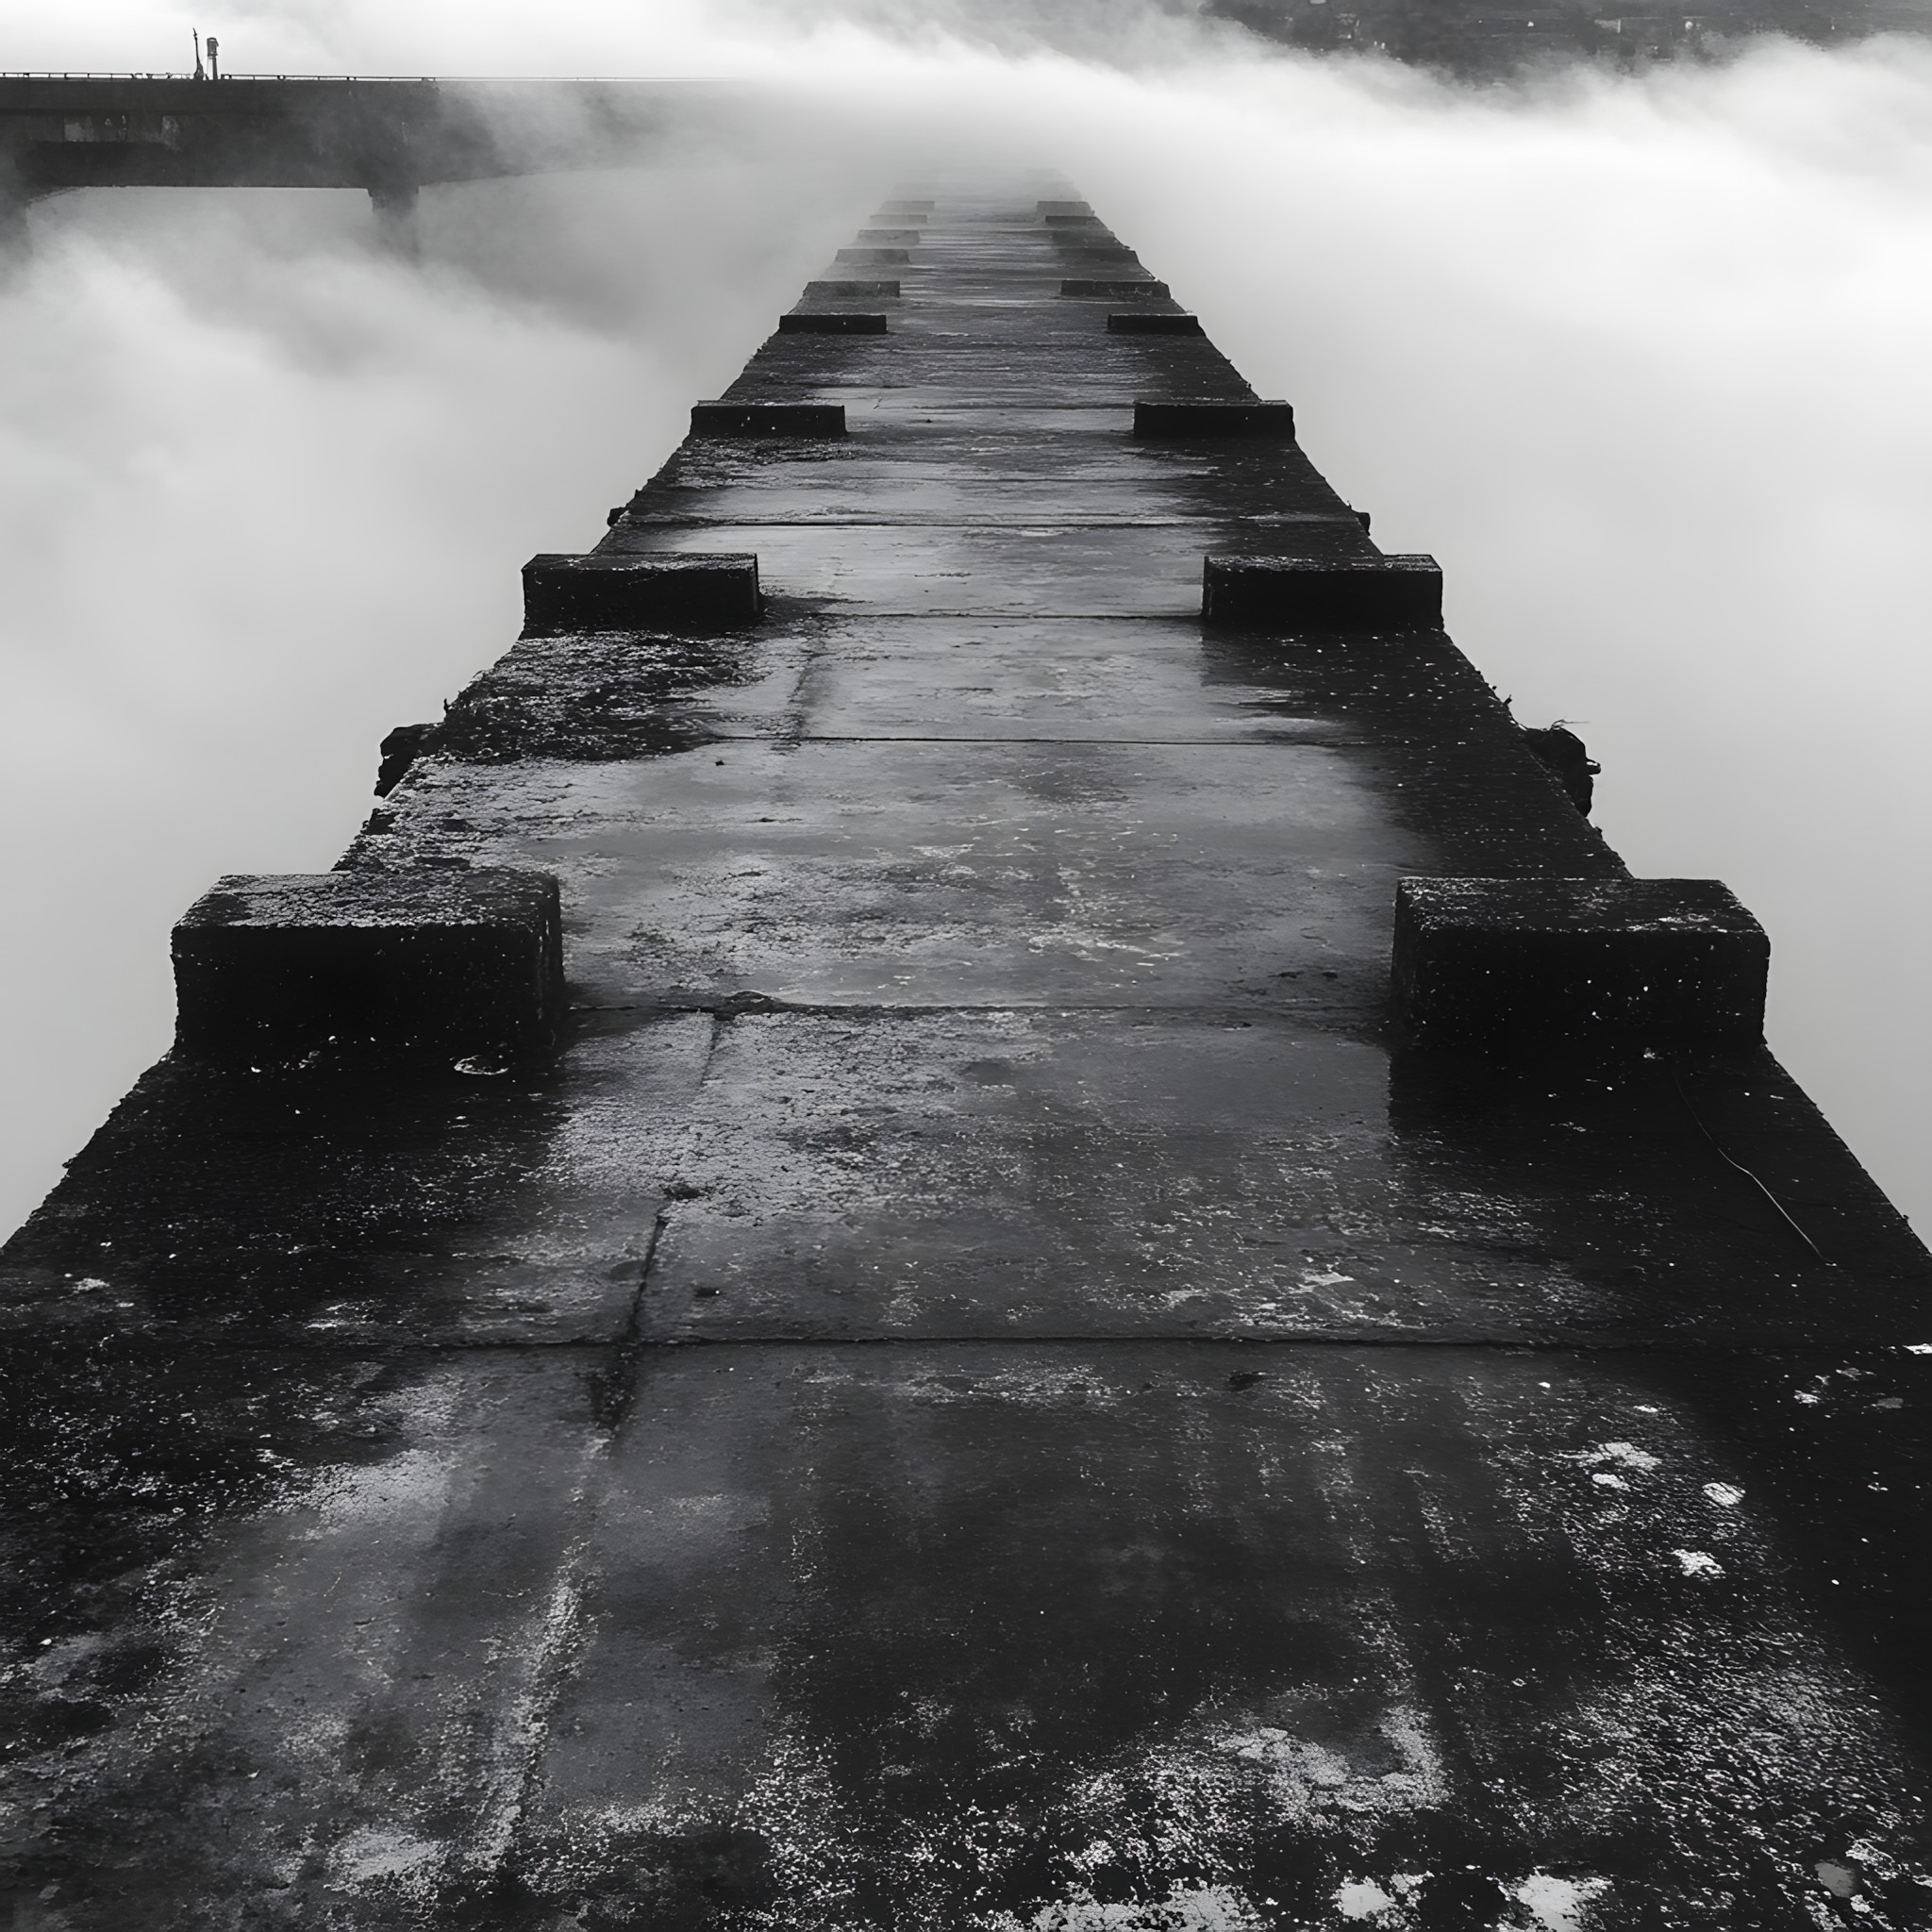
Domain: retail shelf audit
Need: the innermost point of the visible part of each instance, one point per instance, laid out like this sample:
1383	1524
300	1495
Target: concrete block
874	258
767	419
1075	222
1340	593
1154	325
432	962
1504	964
1063	208
826	291
1098	251
1113	291
615	591
830	322
1273	421
889	238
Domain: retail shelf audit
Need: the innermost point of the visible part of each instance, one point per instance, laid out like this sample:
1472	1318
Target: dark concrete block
1098	251
878	258
429	961
820	322
889	238
607	591
1113	291
1325	595
1064	208
822	291
1273	420
1504	963
767	419
1154	325
1076	221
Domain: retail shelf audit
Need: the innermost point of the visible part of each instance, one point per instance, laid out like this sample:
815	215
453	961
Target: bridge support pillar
395	215
16	239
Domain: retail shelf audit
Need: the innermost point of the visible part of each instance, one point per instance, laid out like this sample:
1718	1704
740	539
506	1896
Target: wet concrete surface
987	1385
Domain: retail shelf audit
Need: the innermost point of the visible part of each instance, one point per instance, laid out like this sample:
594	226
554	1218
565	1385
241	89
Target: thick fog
1640	361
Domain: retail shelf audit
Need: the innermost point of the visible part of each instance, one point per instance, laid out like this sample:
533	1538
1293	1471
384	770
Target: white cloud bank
1642	362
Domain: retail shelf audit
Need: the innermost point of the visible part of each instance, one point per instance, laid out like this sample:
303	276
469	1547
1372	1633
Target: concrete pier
992	1380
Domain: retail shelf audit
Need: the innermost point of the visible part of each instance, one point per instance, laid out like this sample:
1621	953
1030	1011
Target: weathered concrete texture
989	1385
1333	592
434	963
608	593
1525	964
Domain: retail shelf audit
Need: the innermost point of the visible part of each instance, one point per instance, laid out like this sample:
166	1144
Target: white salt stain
1726	1496
1325	1278
1098	1853
1840	1880
1306	1775
522	1727
1604	1479
413	1485
1698	1563
1558	1904
1626	1455
1194	1908
374	1856
1403	1727
1362	1898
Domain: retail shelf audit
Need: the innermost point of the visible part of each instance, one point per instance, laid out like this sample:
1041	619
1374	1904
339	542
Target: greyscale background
1631	337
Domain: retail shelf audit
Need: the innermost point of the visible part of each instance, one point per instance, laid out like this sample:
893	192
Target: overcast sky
1642	361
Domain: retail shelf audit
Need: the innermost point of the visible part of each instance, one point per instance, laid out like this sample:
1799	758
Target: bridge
975	1207
389	137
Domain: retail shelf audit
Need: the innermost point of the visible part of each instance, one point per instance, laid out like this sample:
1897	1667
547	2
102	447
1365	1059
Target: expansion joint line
634	1328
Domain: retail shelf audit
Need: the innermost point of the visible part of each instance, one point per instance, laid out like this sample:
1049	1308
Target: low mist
1640	361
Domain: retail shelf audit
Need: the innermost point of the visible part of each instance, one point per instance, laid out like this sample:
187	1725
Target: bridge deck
985	1388
387	136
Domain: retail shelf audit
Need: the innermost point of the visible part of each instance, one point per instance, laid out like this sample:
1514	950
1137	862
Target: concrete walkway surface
988	1385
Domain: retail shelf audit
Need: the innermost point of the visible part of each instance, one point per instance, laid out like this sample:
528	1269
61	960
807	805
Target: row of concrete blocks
900	245
904	209
620	591
1212	419
917	207
858	321
1088	288
901	228
454	964
1082	234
